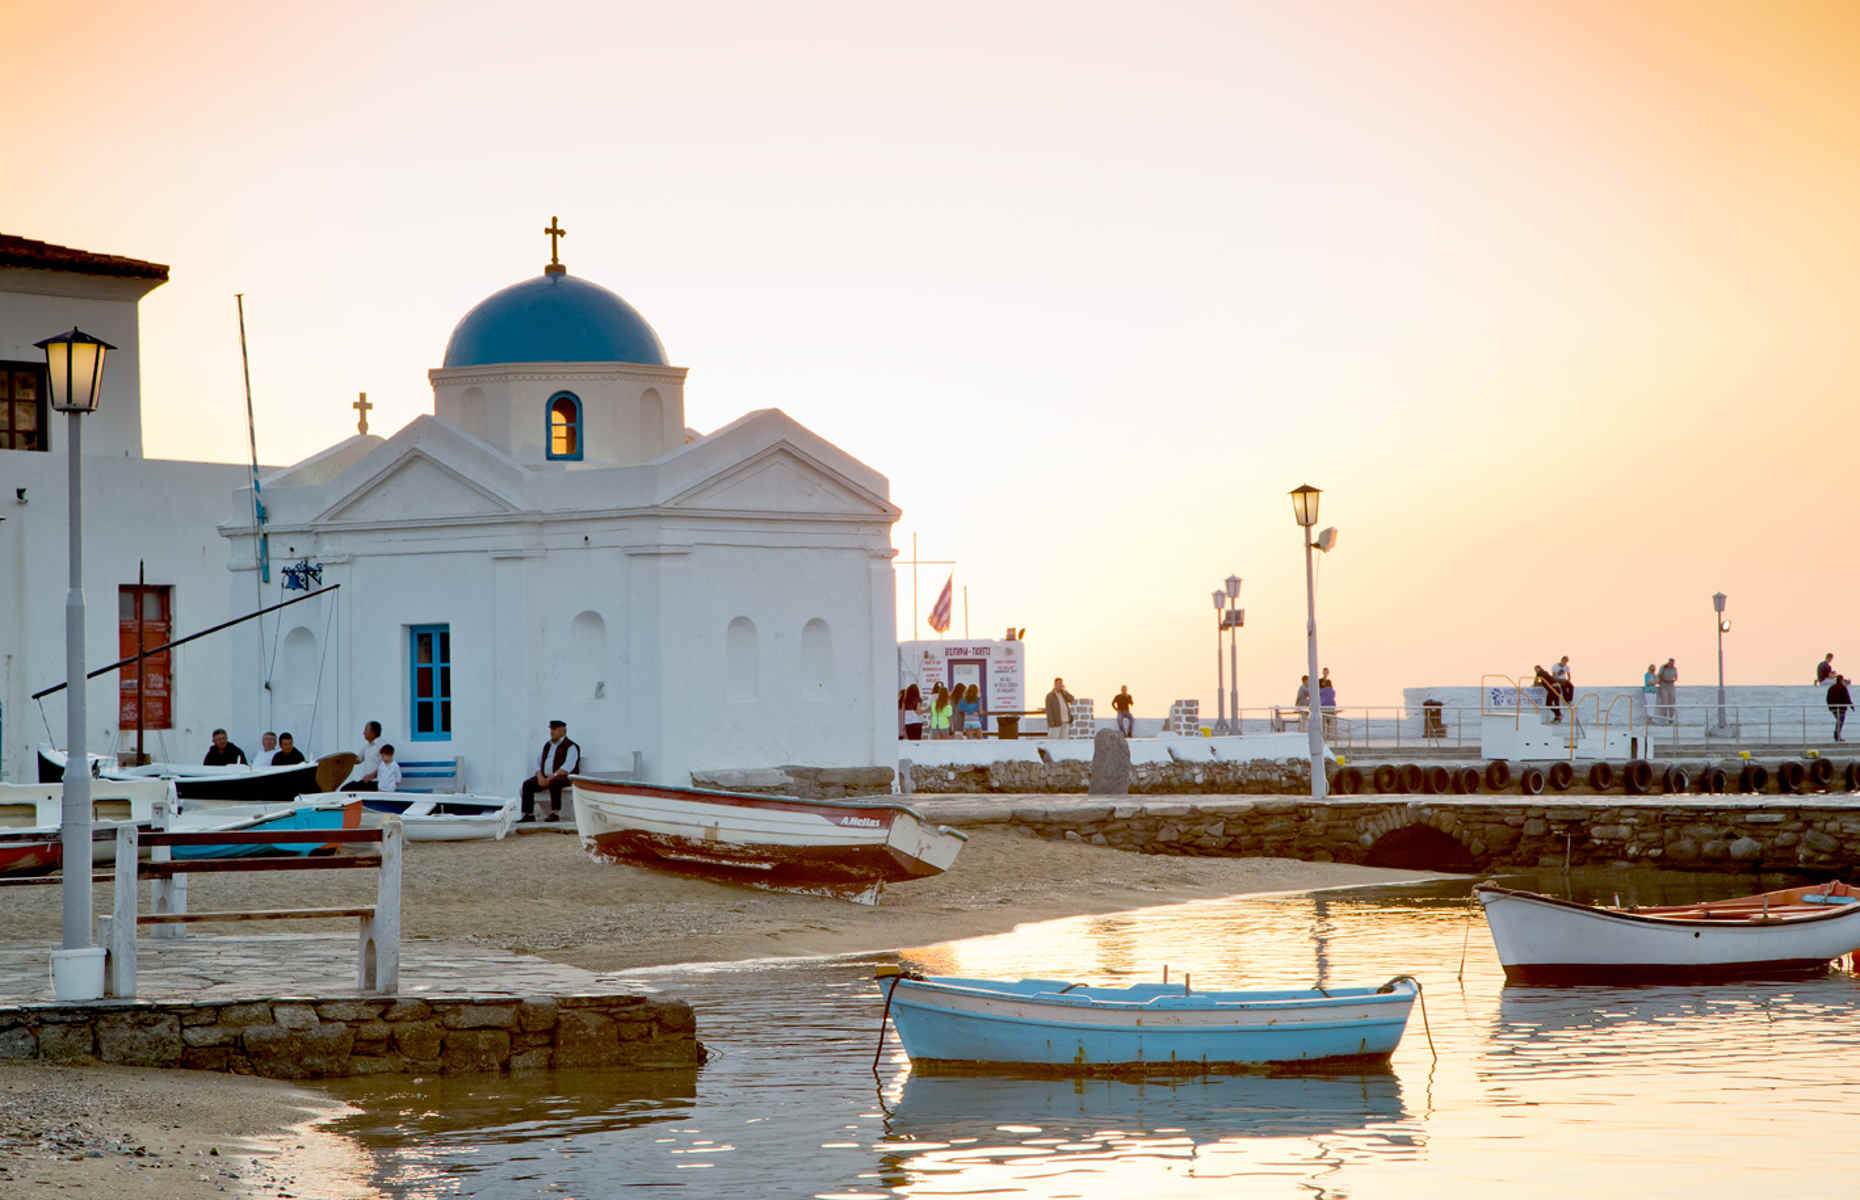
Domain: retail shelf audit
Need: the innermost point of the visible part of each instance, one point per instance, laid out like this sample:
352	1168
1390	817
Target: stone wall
1722	833
290	1038
1261	776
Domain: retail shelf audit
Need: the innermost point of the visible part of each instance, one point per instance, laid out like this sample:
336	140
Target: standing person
1648	682
1327	700
1303	703
1824	668
363	777
223	753
1324	679
1058	709
559	759
1669	692
387	779
288	754
267	749
974	724
1839	701
942	713
911	703
1553	692
1121	704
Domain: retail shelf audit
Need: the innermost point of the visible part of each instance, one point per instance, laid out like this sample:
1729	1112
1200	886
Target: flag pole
965	612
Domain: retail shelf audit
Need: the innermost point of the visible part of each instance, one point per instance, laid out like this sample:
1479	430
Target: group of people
1326	698
953	712
277	750
1659	694
1840	697
1559	686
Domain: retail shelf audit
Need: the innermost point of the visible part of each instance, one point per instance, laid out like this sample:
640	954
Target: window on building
22	406
431	657
565	426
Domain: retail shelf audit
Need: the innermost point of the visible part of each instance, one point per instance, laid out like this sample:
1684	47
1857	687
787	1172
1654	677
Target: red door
157	613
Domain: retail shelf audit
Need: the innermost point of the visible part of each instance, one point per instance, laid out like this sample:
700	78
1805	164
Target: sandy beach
80	1128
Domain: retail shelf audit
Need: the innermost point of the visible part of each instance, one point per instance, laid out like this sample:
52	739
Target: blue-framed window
564	431
430	657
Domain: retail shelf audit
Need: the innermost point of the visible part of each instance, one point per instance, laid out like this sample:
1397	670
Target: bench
377	953
434	775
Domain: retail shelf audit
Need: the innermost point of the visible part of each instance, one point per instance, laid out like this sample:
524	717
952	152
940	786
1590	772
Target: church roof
553	318
24	252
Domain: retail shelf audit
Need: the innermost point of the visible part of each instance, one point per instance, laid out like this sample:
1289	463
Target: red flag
939	615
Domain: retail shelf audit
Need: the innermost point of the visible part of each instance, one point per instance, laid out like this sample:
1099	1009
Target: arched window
565	426
816	656
740	666
652	423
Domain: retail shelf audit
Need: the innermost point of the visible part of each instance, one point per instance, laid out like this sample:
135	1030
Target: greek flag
939	615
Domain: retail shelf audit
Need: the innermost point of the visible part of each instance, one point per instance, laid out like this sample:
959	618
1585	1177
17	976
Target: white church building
552	542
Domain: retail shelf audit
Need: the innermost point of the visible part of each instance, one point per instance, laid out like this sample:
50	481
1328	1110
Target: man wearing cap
559	759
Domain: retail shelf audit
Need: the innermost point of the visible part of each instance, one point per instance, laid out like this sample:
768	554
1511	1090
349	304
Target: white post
167	895
1320	786
75	809
120	965
379	967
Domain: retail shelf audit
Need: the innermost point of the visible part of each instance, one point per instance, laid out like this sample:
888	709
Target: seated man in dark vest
559	759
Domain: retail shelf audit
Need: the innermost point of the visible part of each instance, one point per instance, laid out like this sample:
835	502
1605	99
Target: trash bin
1007	728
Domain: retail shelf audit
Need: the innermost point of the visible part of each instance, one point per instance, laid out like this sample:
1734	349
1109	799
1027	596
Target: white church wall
35	305
162	513
630	413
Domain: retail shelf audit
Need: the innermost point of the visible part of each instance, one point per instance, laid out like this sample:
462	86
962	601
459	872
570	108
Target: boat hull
311	817
31	811
967	1026
200	784
434	817
1549	942
840	847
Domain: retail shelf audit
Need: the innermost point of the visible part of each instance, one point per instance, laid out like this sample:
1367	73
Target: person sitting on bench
223	753
559	759
288	754
387	776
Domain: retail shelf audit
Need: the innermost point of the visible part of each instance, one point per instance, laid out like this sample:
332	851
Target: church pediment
418	487
781	480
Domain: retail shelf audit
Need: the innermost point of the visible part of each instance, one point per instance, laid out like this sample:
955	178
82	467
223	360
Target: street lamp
1305	512
1724	627
1220	689
1233	619
74	364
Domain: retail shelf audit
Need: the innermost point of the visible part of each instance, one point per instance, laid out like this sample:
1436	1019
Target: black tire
1717	782
1637	777
1497	774
1789	777
1438	781
1850	778
1754	778
1676	780
1531	782
1821	773
1466	781
1410	778
1385	778
1560	776
1349	781
1602	776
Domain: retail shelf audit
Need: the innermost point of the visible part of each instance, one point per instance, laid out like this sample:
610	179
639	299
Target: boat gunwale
1402	990
1830	913
620	787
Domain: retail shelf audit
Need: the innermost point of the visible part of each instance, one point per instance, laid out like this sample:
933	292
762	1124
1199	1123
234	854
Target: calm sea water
1708	1092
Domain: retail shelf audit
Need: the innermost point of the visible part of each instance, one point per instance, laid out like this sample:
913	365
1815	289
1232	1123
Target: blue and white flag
939	615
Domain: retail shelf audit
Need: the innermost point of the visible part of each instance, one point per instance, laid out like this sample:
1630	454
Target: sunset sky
1554	300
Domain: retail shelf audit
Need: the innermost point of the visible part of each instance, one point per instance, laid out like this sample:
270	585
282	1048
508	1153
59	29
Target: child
387	779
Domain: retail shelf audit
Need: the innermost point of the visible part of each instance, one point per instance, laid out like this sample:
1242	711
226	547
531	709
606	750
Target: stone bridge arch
1424	840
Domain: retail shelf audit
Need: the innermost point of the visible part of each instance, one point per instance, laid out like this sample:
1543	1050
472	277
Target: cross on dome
554	232
362	406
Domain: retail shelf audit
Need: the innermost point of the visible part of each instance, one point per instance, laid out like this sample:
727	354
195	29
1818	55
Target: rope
885	1017
1420	995
316	701
1466	937
48	723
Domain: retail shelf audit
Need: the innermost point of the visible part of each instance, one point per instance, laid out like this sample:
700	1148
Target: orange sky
1552	299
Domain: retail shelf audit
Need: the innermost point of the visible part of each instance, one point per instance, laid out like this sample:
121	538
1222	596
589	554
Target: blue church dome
554	318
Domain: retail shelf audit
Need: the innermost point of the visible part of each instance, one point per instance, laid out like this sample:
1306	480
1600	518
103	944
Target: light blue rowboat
1052	1026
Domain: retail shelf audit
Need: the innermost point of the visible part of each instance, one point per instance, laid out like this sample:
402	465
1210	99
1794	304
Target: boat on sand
1782	934
1051	1026
199	784
844	848
433	817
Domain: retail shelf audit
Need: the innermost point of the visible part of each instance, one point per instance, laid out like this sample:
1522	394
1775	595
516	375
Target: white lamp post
1724	627
1234	618
1220	688
74	362
1305	512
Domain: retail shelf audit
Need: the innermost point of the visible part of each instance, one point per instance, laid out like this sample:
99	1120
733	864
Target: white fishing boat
32	817
1797	931
195	782
845	848
434	817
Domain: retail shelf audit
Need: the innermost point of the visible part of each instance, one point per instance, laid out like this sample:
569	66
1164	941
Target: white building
552	542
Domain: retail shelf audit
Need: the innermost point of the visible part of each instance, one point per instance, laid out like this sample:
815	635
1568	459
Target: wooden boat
844	848
1793	932
1052	1026
324	814
433	817
32	818
201	784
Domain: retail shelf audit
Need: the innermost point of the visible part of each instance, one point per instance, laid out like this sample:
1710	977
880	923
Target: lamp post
74	363
1724	627
1220	688
1305	512
1234	618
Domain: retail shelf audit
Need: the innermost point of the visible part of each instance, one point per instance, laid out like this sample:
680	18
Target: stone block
480	1016
586	1039
350	1010
373	1031
530	1041
1765	818
674	1016
531	1060
203	1014
606	1001
139	1039
536	1013
19	1042
294	1016
418	1039
1819	842
1746	848
475	1050
208	1035
1716	848
1110	764
1785	840
207	1058
63	1043
408	1010
378	1064
245	1014
278	1052
1683	850
1535	827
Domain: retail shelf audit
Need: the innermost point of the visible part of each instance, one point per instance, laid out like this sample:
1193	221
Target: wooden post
167	895
120	959
378	969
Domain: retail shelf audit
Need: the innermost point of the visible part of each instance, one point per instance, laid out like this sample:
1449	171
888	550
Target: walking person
910	704
1839	701
1121	704
1669	692
1058	709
